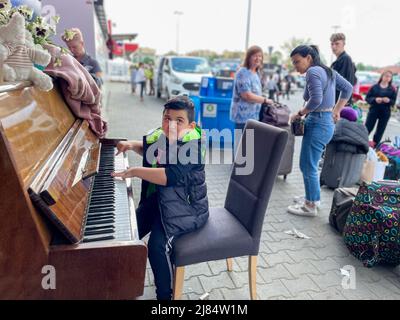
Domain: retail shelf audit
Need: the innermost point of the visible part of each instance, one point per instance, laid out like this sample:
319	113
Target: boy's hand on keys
119	175
123	146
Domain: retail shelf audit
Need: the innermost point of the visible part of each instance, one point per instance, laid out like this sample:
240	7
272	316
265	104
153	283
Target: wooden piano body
42	146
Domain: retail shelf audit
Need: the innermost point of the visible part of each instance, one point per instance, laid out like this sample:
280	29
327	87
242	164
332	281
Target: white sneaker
301	200
303	210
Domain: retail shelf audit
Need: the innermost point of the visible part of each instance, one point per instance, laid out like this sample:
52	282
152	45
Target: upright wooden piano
67	229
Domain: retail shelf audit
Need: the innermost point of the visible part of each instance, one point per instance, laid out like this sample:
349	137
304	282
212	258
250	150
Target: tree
211	55
171	53
276	57
143	51
289	46
362	67
292	43
233	54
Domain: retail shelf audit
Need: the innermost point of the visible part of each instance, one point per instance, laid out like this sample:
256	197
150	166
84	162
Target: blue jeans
319	129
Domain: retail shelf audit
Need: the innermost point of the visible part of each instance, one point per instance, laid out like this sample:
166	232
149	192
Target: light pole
177	13
335	28
248	25
270	50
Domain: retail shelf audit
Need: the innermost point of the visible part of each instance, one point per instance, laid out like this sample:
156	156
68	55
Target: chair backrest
249	192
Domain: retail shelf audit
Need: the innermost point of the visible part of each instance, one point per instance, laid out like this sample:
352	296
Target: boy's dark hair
181	103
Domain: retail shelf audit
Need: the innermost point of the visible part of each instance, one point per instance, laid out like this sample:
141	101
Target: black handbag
298	127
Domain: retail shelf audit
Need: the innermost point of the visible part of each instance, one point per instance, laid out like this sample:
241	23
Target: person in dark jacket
174	192
344	65
381	97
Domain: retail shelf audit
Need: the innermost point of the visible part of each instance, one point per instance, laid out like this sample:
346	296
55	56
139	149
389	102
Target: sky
371	26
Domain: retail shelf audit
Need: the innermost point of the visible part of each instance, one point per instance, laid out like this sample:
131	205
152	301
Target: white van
178	75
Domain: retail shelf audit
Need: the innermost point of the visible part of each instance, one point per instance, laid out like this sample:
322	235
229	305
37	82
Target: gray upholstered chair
235	230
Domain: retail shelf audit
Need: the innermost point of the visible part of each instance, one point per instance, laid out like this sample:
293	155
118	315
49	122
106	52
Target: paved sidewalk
288	268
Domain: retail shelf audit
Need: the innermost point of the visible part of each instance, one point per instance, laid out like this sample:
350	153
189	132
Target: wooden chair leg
252	277
229	263
178	282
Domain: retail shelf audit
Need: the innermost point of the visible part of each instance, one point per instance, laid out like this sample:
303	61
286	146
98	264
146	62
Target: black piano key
102	221
103	207
110	198
97	238
100	216
100	213
101	226
99	231
99	196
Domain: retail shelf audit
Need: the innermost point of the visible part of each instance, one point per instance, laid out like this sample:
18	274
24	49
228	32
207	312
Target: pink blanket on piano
79	89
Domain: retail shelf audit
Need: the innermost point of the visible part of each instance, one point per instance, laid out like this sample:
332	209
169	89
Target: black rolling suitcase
341	206
341	169
286	165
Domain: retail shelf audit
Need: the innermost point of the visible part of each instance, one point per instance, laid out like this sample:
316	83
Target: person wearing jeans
322	113
320	128
381	97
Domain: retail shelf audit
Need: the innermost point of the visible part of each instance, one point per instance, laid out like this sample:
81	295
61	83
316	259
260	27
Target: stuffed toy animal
18	55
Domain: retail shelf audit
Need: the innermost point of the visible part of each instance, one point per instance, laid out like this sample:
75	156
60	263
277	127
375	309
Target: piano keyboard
108	214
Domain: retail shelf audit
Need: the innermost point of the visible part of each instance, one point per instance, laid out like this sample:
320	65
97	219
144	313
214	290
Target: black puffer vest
183	207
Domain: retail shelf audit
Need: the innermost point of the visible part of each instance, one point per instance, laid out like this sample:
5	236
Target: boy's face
337	47
175	124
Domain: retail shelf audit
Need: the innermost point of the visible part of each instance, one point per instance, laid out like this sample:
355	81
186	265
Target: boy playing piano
174	193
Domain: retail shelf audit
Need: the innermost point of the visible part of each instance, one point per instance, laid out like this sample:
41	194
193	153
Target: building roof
127	36
101	16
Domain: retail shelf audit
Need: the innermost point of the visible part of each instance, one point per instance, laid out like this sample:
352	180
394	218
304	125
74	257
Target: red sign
131	47
119	48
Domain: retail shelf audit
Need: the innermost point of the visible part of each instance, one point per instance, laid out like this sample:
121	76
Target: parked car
178	75
225	67
366	80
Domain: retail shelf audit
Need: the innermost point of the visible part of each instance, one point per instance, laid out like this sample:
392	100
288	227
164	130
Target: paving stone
385	289
302	254
329	294
273	289
361	292
264	248
241	279
277	258
192	285
303	283
331	251
242	293
215	282
301	268
197	269
301	296
278	271
325	265
215	294
328	279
